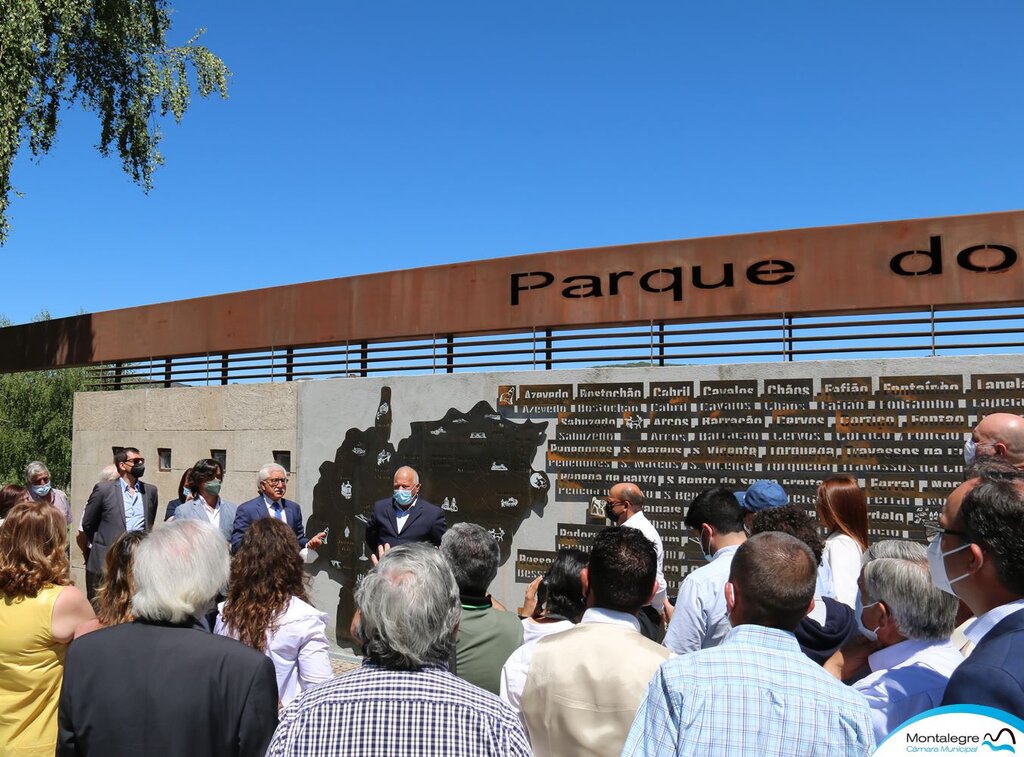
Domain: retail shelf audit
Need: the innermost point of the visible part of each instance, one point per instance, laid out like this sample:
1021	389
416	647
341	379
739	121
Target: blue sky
377	135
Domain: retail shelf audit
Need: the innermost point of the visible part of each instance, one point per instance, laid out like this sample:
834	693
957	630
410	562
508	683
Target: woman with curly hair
40	611
114	596
843	511
268	608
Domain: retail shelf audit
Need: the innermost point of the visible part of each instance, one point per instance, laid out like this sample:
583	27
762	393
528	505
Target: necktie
278	511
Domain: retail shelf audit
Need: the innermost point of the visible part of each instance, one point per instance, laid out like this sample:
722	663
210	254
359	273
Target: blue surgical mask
403	497
41	491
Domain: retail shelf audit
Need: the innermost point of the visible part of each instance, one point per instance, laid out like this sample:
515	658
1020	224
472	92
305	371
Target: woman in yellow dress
39	611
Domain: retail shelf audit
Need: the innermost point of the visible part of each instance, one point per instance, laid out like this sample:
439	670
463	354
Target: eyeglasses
614	502
133	460
933	529
276	481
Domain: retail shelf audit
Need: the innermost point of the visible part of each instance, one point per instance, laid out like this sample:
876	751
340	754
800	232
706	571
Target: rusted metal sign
962	260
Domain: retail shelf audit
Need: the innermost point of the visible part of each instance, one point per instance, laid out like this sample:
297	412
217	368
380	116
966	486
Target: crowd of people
799	636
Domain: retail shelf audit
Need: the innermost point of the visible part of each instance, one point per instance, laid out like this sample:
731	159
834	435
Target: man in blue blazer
405	517
272	482
979	556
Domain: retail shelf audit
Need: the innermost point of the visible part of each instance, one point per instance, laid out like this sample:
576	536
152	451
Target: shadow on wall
476	466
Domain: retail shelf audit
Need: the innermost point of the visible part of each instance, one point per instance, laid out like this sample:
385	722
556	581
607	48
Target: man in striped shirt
402	702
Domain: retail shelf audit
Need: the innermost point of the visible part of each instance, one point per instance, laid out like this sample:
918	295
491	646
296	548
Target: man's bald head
1001	434
628	492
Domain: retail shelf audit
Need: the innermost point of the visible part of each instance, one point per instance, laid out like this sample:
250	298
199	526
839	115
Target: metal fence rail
783	338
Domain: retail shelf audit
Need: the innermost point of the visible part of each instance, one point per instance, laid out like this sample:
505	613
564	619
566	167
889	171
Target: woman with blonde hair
268	608
843	510
40	612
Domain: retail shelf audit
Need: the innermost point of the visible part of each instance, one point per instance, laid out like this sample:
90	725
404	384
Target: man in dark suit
405	517
124	504
978	554
273	482
162	685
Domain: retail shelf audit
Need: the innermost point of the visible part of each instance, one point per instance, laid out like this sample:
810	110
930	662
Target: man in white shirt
911	621
624	507
978	554
585	684
701	618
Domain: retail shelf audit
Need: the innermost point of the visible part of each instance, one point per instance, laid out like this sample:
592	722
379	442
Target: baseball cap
761	495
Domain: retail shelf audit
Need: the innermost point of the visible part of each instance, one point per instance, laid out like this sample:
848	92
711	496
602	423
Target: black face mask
609	514
138	469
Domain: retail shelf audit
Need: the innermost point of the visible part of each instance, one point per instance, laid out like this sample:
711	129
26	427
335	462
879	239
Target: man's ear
977	558
810	607
654	590
585	580
730	596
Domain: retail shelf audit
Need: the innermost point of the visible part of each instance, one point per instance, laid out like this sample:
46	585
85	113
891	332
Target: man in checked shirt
402	702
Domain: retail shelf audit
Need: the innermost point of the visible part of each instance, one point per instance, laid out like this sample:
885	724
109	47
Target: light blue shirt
701	618
906	679
755	693
134	515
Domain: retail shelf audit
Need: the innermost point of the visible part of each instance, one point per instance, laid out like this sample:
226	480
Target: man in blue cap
760	495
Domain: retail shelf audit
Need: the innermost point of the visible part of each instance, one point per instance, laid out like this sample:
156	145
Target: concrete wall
314	421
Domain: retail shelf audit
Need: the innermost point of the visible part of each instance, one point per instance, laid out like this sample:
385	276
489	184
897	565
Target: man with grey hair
163	684
272	482
402	701
910	620
487	635
40	489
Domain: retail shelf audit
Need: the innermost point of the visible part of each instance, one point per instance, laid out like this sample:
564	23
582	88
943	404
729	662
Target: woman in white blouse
843	511
268	608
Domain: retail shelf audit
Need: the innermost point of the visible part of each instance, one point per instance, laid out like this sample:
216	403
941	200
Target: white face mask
970	451
937	565
858	610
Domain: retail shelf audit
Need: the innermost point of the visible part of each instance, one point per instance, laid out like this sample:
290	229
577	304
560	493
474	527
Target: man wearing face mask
910	621
978	555
405	517
37	481
114	507
624	507
997	435
205	479
701	618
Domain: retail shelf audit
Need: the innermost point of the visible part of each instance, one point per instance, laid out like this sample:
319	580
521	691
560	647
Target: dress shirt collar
404	510
730	550
612	617
268	502
763	636
124	485
900	652
979	628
